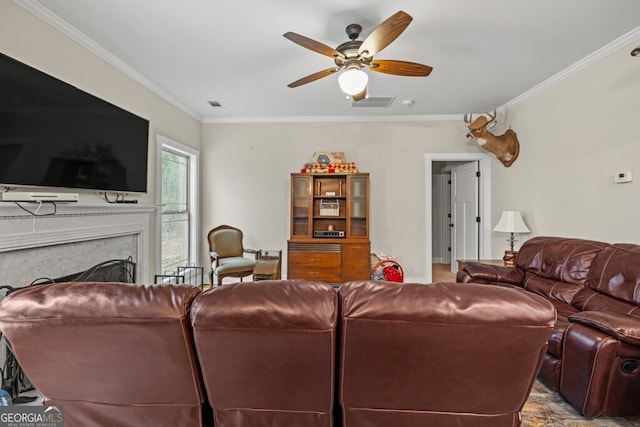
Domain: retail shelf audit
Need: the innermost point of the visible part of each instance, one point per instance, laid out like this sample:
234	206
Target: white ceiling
484	53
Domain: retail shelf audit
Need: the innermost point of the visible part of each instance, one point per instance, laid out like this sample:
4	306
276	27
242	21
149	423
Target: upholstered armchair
227	254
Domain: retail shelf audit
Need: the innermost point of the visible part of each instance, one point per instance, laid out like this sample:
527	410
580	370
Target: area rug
546	408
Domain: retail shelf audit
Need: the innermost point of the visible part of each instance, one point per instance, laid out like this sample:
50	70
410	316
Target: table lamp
511	222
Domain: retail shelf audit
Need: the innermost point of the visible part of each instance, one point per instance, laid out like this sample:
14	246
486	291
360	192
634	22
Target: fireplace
76	238
114	270
59	242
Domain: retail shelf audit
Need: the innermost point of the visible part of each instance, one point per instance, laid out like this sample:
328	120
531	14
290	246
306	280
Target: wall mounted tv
53	134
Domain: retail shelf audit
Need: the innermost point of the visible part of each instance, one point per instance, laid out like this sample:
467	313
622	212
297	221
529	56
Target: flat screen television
53	134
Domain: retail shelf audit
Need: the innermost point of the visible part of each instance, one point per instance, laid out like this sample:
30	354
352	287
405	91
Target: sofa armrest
477	272
622	326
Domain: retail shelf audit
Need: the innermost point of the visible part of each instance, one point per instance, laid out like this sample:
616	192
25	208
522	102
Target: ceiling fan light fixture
353	81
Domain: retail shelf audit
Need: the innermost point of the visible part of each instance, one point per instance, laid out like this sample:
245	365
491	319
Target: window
178	214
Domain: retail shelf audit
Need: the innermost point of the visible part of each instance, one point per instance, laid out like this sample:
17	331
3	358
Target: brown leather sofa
110	354
593	358
268	353
440	354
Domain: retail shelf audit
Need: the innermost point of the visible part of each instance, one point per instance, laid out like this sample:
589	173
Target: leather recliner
110	354
267	351
593	358
439	354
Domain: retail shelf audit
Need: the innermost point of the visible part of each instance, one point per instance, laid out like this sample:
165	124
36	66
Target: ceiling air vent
374	101
215	104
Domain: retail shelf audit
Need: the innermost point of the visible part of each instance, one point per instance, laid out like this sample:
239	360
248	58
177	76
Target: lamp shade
511	222
353	81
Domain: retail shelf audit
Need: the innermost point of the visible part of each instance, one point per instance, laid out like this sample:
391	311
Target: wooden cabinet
356	261
329	227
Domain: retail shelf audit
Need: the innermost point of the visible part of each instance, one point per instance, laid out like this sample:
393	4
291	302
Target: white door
464	213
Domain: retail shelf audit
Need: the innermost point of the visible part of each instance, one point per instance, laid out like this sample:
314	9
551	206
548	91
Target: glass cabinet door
300	206
358	192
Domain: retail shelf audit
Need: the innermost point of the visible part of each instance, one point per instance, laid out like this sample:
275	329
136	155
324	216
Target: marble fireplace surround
77	237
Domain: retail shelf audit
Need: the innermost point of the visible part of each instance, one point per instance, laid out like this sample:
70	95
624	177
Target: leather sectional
281	353
593	358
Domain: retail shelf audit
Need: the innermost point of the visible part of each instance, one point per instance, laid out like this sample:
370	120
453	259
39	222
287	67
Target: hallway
442	273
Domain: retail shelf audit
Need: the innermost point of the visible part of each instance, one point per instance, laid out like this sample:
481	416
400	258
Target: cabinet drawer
314	259
322	274
314	262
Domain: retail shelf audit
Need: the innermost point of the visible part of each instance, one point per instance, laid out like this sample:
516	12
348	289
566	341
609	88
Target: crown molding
37	9
65	28
588	60
336	119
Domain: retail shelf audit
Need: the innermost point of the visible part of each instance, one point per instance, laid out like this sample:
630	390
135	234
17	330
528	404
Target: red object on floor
393	273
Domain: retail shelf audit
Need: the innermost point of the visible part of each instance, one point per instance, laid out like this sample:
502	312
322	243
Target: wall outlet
622	176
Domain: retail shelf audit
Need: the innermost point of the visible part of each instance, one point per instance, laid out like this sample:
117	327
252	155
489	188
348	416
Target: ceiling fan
354	55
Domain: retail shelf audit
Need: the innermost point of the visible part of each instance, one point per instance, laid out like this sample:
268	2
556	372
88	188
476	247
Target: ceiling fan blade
360	96
384	34
400	68
313	77
313	45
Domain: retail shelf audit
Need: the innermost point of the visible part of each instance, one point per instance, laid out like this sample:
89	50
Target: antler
481	121
492	117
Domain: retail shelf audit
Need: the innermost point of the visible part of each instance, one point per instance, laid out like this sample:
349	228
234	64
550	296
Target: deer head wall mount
505	147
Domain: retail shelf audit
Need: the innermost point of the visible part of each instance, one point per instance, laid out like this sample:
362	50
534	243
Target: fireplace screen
117	270
12	377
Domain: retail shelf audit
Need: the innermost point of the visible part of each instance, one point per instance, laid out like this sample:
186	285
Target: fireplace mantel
12	210
74	223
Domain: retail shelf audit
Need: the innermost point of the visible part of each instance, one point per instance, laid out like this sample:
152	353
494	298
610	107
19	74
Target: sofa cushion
589	300
563	311
616	272
557	267
555	290
555	340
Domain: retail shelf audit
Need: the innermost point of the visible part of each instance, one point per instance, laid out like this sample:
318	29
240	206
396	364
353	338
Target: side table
268	265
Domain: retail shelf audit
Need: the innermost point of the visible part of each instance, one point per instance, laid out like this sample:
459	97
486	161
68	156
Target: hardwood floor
442	273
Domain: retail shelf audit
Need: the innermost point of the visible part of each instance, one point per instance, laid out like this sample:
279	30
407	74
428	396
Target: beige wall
247	169
574	136
30	40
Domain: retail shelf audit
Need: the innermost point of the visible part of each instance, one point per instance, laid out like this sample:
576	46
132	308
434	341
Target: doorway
483	227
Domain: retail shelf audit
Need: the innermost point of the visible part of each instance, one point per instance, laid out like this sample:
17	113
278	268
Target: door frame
484	202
